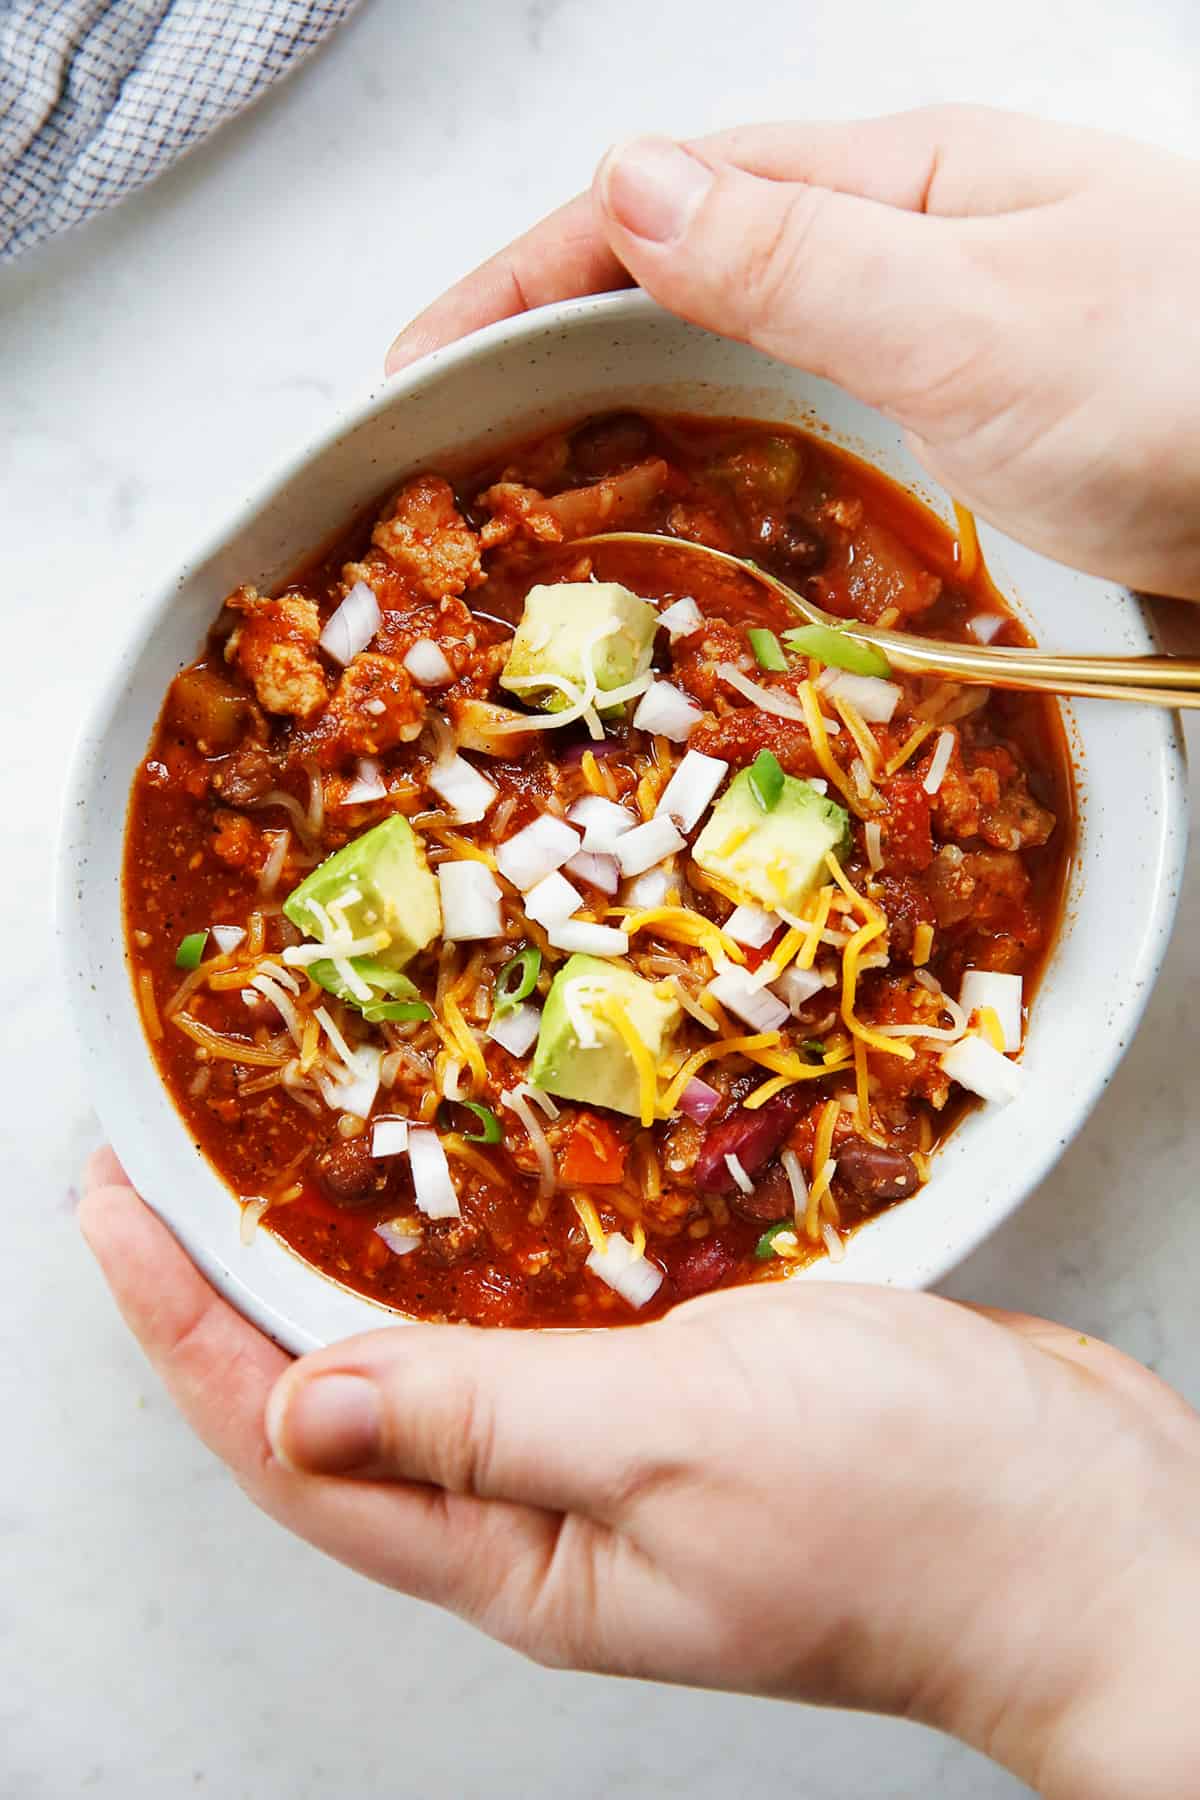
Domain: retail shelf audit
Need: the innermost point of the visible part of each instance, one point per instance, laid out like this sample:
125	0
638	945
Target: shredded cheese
589	1219
639	1239
457	1146
646	796
611	1010
922	945
830	768
990	1027
768	1091
231	1049
861	1091
854	949
590	769
867	907
822	1167
682	926
785	1062
464	1039
860	731
804	959
907	749
461	846
729	1046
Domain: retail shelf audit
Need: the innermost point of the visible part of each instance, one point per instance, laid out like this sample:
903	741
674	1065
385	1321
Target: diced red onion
634	1277
532	854
367	785
427	665
691	788
682	618
552	900
599	871
985	627
975	1065
351	628
602	821
589	940
470	901
665	712
751	925
398	1241
988	987
781	704
389	1137
873	699
943	750
227	937
432	1186
698	1100
738	993
516	1031
647	844
465	791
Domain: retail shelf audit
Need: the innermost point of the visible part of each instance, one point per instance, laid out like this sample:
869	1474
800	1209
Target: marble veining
158	1638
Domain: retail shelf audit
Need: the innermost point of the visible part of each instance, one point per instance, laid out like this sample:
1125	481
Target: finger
888	304
216	1366
219	1371
953	161
507	1415
562	257
102	1169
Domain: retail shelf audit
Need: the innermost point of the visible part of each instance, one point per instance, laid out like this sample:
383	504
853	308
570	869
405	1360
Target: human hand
840	1494
1018	295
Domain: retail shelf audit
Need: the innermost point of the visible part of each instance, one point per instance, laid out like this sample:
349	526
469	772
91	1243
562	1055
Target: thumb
890	304
515	1416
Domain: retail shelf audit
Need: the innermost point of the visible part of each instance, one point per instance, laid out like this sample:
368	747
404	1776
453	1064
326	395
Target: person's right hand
1019	296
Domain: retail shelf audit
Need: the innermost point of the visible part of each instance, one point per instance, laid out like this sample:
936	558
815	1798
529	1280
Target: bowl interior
512	381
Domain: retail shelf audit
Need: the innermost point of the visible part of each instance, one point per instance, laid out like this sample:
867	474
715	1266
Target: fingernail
653	188
327	1425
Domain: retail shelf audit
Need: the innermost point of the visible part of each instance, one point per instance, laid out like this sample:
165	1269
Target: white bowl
516	379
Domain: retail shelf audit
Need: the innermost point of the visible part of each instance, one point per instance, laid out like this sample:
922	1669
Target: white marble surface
157	1638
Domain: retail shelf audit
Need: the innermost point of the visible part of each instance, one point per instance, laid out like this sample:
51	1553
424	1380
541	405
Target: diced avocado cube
571	624
773	859
379	886
580	1054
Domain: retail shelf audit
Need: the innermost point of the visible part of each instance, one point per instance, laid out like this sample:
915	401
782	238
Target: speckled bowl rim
290	1301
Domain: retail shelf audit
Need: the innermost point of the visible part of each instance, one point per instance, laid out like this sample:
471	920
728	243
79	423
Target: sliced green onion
515	982
490	1132
837	651
396	1011
814	1047
190	953
767	648
766	780
765	1247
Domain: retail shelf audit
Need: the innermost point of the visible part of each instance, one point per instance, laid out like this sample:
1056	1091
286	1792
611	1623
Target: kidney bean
701	1267
753	1137
875	1173
347	1173
772	1197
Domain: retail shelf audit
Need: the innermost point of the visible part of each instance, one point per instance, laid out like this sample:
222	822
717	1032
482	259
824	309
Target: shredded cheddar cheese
646	796
860	731
854	949
907	749
866	907
761	1040
460	845
591	772
922	945
617	1016
231	1049
786	1062
590	1221
830	768
990	1027
149	1006
310	1042
768	1091
457	1146
822	1167
804	959
682	925
639	1239
462	1038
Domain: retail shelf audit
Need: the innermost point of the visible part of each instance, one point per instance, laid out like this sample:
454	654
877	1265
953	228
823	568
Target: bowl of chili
542	932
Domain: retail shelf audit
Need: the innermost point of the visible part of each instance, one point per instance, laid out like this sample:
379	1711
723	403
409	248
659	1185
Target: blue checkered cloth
97	97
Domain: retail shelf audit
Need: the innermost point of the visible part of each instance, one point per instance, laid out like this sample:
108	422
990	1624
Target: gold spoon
1154	680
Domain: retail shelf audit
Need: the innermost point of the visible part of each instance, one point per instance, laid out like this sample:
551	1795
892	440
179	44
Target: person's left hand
842	1494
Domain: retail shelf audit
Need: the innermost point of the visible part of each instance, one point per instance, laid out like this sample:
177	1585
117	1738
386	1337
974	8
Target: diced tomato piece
907	840
595	1155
